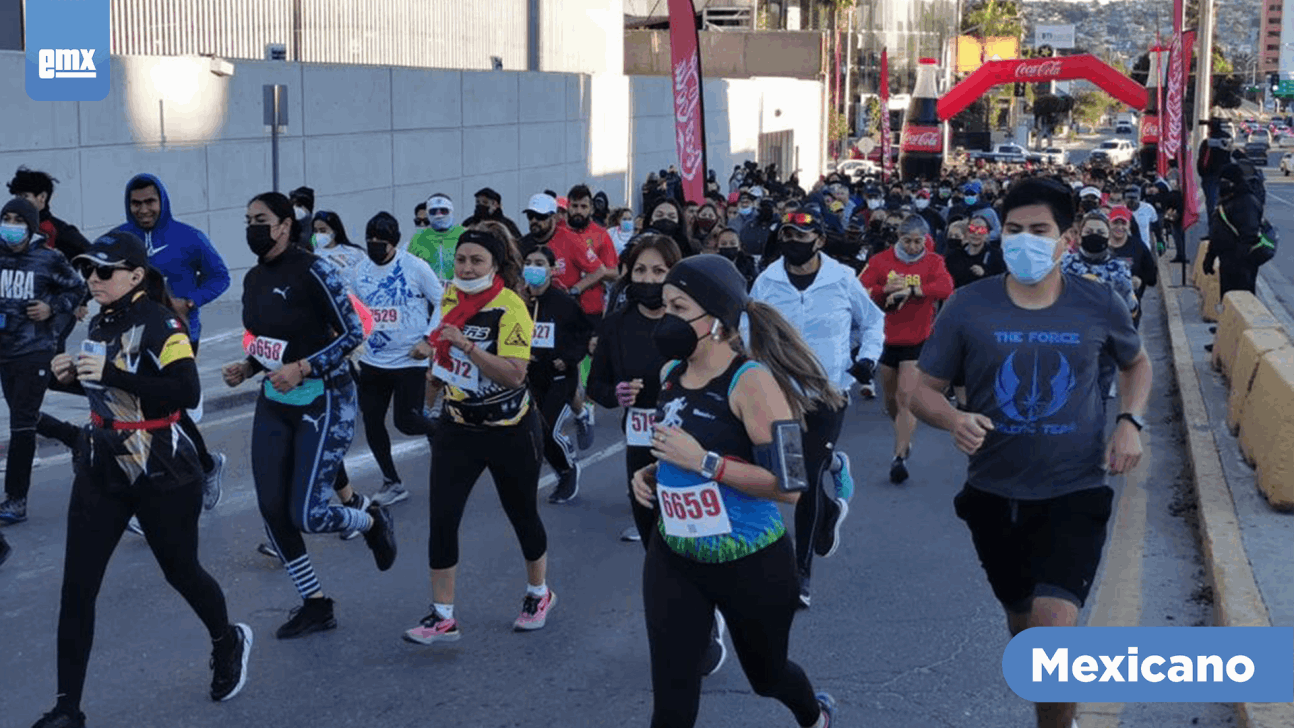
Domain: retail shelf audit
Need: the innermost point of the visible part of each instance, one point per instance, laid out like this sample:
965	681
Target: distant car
1054	155
1287	163
1124	129
856	169
1114	152
1257	153
1261	136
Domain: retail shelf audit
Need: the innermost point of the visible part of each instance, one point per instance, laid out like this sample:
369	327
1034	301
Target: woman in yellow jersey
482	350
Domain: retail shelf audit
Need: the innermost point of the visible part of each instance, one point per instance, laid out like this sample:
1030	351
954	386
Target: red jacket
910	324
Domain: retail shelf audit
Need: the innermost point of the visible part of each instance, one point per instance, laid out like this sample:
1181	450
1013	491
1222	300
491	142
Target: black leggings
637	458
822	429
377	388
458	457
23	384
95	522
554	398
757	595
191	429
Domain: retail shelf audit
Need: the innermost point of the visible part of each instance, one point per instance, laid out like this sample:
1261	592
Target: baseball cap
562	203
115	248
542	204
806	221
1092	191
757	192
973	187
1120	213
923	195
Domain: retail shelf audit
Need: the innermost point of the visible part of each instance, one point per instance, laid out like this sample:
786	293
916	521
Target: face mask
321	240
921	203
301	212
796	252
729	253
476	285
481	211
377	252
1133	204
1094	245
627	225
535	275
705	224
1088	204
903	255
651	295
13	235
577	222
746	210
874	203
945	193
674	337
441	223
1029	257
259	240
666	227
971	199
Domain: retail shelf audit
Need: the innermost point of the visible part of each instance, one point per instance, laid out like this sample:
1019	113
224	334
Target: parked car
856	169
1124	129
1114	152
1054	155
1287	163
1257	153
1008	153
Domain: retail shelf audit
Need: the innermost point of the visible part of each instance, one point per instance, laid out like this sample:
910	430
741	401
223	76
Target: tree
1090	106
993	19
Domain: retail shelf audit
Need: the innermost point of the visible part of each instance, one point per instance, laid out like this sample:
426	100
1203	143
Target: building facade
1268	50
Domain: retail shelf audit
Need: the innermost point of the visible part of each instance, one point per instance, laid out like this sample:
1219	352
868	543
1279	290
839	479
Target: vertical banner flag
1171	142
689	112
1185	166
887	164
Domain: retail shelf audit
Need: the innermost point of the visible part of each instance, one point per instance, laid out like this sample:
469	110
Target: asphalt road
1278	274
904	630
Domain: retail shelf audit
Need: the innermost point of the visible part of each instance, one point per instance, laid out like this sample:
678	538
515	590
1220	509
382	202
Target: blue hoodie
193	268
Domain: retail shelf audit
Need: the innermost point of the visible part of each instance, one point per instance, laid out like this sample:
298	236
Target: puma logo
283	291
314	421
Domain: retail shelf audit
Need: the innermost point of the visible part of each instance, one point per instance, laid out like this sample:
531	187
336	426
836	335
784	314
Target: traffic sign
1286	89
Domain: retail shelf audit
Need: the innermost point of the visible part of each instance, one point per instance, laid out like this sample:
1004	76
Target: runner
482	350
435	243
303	326
36	285
560	343
825	303
1140	261
1036	500
905	281
1094	262
330	242
719	475
137	371
403	296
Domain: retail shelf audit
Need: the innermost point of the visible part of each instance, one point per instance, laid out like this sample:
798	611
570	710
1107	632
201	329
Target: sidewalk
1248	546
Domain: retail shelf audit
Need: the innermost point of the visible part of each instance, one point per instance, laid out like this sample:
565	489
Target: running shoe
211	483
5	549
827	539
267	550
715	652
229	662
868	391
898	470
631	534
61	718
360	503
534	612
828	706
13	510
392	492
314	615
804	591
133	526
844	480
568	485
584	427
381	537
434	628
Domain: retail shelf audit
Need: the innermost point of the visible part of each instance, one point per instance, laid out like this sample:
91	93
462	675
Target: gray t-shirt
1034	373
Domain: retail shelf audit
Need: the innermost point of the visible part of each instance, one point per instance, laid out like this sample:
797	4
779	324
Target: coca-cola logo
1150	129
687	117
921	139
1038	71
1173	129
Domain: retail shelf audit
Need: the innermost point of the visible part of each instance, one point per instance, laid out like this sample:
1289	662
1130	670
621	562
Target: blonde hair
776	344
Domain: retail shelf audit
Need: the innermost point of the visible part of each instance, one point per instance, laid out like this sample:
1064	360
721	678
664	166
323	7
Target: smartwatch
710	465
1136	421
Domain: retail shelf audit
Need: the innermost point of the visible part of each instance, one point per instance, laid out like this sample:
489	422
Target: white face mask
476	285
1029	258
441	223
921	203
301	212
321	240
874	203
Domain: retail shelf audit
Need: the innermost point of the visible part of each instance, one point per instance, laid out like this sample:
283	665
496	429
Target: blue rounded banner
1151	664
67	44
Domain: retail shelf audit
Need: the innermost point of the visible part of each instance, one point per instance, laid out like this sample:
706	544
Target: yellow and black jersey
503	328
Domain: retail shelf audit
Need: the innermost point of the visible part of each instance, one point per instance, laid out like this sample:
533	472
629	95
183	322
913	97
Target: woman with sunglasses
136	368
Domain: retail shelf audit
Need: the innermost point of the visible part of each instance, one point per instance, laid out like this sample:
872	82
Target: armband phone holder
784	457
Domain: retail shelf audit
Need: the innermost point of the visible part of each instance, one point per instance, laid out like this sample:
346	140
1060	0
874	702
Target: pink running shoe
534	612
434	628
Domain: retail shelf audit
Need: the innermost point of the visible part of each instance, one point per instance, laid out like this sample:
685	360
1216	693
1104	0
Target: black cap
489	194
116	248
714	283
486	240
303	194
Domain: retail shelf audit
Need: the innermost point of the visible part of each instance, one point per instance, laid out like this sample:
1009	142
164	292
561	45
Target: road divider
1241	311
1254	345
1267	427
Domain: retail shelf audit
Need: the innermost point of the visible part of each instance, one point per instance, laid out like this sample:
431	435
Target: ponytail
776	344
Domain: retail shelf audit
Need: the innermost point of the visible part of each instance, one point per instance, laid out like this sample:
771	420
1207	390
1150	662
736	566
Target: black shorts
1044	548
892	354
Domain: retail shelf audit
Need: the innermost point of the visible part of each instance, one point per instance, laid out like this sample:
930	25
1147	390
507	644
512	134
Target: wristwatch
710	464
1136	421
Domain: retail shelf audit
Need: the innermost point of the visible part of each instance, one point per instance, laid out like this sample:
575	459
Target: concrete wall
371	138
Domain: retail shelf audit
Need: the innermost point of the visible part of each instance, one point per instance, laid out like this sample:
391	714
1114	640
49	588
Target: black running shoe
267	550
381	537
314	615
5	549
804	591
61	718
229	662
827	540
715	652
568	485
898	470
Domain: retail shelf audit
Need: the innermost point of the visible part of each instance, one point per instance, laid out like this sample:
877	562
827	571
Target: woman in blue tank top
723	548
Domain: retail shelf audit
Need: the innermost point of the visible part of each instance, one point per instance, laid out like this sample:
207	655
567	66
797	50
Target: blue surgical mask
1029	258
971	199
537	275
746	210
627	225
441	223
321	240
12	234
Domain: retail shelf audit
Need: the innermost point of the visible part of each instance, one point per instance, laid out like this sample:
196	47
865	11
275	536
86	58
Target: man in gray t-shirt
1029	345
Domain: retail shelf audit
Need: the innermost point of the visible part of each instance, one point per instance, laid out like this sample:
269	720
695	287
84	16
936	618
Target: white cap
757	192
437	202
1089	191
542	204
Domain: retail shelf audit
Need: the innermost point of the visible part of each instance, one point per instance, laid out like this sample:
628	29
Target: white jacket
833	315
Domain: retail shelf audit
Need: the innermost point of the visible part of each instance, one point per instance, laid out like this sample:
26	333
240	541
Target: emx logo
67	44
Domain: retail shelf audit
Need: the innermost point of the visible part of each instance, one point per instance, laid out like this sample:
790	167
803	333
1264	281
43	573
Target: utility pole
1204	73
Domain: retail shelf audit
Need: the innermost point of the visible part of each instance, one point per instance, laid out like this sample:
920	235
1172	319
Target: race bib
385	319
694	511
545	333
93	348
267	351
638	426
462	373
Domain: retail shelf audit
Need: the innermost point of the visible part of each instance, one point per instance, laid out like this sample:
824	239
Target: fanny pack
160	423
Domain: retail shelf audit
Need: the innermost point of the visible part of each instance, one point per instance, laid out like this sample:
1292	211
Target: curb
1236	599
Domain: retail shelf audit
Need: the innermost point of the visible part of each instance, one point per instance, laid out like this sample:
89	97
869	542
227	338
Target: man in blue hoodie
196	275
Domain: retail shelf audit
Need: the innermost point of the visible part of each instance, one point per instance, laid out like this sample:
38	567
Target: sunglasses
103	272
420	222
439	211
977	229
799	218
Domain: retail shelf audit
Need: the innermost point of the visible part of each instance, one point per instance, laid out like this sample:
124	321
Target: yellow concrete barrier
1197	272
1241	311
1254	344
1210	294
1267	427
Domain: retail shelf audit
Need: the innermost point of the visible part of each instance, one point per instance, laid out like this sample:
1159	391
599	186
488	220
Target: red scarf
469	304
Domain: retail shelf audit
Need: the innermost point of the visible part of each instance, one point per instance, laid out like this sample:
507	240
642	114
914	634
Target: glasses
533	216
103	272
421	222
439	211
977	229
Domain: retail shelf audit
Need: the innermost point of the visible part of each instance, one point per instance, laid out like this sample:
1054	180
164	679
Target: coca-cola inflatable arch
1040	70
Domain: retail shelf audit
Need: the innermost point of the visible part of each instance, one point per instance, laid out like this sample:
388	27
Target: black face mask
705	224
482	211
874	225
1089	204
577	222
1133	204
665	227
796	252
259	239
378	252
954	242
674	337
1094	245
650	295
729	253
